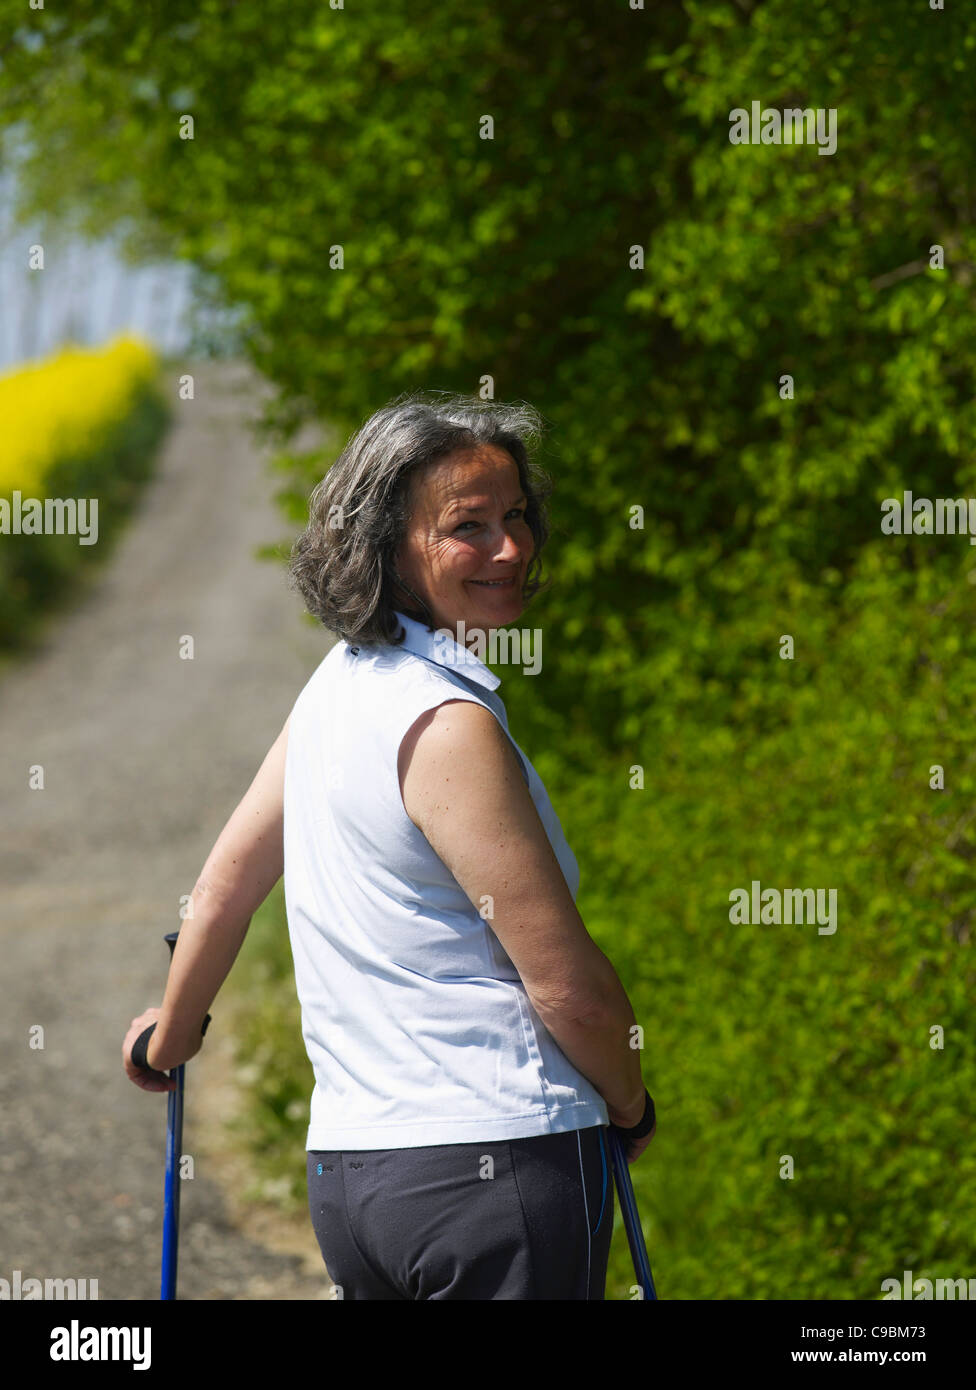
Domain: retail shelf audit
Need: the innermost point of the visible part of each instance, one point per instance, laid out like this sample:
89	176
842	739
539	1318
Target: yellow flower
68	401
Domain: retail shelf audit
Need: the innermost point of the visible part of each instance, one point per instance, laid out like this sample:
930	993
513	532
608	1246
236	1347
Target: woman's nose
505	546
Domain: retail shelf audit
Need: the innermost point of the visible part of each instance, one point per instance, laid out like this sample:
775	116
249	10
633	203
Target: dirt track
144	756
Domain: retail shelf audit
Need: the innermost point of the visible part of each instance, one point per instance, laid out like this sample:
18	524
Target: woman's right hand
633	1148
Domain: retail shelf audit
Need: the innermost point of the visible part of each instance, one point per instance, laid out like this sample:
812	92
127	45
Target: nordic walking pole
174	1145
631	1216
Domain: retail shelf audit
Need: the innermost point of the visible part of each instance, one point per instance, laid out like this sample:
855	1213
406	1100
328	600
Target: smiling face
467	528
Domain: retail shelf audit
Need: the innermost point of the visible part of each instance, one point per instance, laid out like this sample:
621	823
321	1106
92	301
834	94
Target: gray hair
344	562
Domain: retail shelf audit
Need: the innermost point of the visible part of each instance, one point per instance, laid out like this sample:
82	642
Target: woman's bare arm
461	786
242	868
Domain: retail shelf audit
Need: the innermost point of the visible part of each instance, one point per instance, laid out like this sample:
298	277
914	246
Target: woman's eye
518	511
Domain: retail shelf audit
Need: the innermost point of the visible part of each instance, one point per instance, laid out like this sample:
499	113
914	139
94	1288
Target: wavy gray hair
344	562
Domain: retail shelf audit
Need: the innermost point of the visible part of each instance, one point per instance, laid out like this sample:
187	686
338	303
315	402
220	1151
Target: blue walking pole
174	1144
171	1210
631	1216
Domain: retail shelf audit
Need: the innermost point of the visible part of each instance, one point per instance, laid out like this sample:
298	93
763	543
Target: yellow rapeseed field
50	407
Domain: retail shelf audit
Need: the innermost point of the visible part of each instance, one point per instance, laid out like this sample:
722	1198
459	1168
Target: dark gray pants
430	1222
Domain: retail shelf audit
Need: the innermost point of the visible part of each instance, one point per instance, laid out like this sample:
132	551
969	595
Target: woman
469	1040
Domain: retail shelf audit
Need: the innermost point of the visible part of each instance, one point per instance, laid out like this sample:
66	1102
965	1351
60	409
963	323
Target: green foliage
770	1040
511	258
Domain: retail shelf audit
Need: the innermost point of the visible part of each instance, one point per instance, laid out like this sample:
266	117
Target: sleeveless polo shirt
416	1022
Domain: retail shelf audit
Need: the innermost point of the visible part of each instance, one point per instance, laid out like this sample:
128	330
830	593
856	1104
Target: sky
86	293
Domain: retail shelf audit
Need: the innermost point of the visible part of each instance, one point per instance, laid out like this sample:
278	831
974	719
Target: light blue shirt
417	1024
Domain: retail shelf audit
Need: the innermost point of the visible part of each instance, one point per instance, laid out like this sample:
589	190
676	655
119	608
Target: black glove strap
141	1045
644	1125
139	1058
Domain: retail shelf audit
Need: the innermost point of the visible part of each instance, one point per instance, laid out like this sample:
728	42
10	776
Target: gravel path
144	756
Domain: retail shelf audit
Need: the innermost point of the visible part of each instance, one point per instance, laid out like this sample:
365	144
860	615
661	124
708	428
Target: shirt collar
440	647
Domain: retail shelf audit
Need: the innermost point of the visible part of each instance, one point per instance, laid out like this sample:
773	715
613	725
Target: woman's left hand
149	1080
